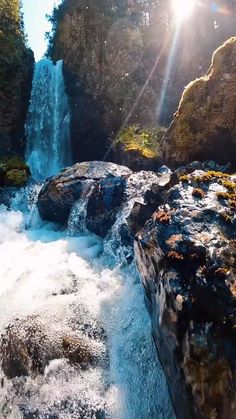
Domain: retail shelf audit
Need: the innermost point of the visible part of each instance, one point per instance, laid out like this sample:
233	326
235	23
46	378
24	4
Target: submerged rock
27	346
186	254
210	98
106	188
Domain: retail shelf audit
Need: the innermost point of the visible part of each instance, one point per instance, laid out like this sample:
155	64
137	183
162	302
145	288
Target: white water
63	279
48	122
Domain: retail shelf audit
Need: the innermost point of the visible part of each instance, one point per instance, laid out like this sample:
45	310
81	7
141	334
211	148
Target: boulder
28	345
204	126
186	255
105	188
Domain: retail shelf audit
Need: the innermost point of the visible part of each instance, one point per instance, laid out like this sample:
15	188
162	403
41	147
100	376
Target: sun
183	9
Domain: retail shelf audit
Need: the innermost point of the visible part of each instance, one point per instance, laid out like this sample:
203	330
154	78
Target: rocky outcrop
186	254
107	189
204	127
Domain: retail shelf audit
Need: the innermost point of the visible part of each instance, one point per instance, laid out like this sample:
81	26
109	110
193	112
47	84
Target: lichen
198	193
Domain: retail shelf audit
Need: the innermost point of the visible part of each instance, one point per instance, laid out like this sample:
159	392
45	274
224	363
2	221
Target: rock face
107	188
204	127
186	254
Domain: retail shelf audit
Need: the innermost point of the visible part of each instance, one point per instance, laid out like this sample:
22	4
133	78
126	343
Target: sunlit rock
186	255
106	189
204	126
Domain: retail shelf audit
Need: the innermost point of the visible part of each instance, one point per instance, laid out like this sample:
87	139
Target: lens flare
183	9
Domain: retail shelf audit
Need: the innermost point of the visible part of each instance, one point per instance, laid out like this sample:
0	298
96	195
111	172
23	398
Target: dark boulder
104	180
186	255
107	189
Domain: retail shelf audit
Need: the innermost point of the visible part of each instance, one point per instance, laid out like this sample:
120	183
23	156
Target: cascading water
60	285
63	281
48	122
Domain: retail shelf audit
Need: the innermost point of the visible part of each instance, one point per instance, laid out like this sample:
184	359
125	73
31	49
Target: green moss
16	177
13	171
15	162
144	141
184	178
210	176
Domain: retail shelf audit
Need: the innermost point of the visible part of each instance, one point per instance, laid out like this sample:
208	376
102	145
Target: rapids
67	280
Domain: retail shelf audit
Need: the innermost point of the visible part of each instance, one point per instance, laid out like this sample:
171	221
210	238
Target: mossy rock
204	126
13	172
138	147
16	177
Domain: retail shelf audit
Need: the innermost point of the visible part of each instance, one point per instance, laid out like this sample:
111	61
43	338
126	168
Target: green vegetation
16	178
13	172
16	67
144	141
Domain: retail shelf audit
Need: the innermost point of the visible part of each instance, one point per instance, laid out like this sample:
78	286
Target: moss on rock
13	172
204	126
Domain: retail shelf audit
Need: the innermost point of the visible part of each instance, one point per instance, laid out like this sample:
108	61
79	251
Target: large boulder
105	188
186	254
204	127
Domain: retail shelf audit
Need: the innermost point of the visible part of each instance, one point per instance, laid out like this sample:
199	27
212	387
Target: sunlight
183	9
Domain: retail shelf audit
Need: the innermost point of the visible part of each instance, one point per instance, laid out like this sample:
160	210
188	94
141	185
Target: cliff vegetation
16	69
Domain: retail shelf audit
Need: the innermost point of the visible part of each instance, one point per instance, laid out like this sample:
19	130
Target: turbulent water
48	121
66	281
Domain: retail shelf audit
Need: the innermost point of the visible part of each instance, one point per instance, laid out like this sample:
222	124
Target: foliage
145	141
13	55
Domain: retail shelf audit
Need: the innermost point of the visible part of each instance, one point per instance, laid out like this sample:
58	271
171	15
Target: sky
36	23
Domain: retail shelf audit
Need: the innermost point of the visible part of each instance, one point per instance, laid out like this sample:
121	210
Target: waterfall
48	122
62	281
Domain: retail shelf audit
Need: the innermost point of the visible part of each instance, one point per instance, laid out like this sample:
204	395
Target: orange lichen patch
227	218
233	289
162	216
174	239
184	178
175	256
230	197
209	381
211	175
221	273
198	193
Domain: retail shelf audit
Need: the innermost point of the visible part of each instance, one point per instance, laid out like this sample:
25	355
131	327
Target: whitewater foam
62	280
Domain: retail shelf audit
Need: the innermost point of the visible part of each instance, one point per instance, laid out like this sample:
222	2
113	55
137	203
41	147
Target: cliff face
204	127
102	54
117	55
16	71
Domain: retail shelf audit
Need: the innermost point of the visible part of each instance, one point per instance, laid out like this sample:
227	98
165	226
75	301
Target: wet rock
186	255
210	98
77	351
60	193
107	188
6	196
27	346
